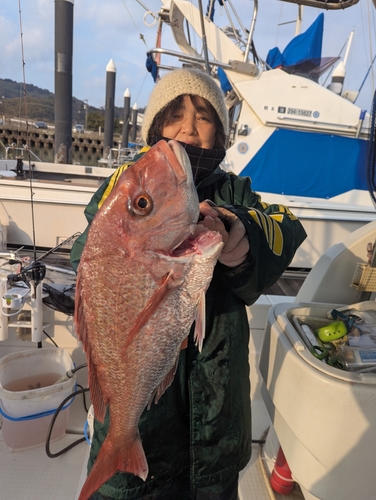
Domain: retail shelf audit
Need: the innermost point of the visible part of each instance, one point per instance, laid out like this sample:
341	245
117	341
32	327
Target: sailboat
303	144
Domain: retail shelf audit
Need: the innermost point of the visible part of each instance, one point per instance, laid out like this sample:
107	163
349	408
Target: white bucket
28	400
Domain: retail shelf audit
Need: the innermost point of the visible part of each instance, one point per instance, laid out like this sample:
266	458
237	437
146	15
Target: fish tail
129	459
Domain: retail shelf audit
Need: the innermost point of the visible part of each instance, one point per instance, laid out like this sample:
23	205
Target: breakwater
19	134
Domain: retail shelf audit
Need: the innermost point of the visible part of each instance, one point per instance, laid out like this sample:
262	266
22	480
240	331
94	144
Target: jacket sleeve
274	236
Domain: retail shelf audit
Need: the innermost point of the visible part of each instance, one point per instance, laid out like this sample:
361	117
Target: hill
40	105
10	89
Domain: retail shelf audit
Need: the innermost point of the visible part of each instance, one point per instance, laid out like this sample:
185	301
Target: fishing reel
34	272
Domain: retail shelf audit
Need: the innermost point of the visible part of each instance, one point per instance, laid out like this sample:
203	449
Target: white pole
37	313
298	26
3	319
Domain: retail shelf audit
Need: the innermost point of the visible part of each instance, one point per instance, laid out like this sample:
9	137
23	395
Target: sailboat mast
204	43
298	26
251	30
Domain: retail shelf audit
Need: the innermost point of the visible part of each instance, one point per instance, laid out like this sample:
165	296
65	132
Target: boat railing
180	20
241	39
238	66
14	152
118	156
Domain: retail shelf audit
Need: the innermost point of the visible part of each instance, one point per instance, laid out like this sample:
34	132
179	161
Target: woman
198	437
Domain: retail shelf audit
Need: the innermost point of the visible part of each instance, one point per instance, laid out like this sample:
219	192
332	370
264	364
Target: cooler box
324	417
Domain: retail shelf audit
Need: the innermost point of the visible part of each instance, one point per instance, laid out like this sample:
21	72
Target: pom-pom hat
184	81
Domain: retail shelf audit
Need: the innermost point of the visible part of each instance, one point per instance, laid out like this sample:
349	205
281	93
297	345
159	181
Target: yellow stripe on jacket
116	175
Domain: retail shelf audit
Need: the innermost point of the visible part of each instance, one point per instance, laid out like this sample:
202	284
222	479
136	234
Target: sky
115	29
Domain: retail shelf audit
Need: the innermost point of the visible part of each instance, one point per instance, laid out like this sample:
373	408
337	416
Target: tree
95	119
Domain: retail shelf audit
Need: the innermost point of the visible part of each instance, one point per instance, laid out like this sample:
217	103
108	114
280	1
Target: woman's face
195	127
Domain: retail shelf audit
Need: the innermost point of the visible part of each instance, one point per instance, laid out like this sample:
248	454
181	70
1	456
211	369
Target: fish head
154	204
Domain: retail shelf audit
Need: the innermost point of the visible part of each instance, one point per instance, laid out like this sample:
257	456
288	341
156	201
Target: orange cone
281	479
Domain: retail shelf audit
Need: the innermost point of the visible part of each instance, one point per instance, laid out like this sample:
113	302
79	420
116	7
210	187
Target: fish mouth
201	242
184	161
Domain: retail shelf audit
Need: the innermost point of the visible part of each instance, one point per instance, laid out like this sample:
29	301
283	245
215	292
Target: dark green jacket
203	421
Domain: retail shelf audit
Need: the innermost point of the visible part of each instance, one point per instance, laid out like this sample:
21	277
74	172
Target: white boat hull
54	202
57	213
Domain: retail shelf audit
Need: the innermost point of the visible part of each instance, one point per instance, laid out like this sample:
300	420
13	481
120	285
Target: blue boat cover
309	164
303	47
224	81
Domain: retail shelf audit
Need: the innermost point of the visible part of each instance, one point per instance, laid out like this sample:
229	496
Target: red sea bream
140	286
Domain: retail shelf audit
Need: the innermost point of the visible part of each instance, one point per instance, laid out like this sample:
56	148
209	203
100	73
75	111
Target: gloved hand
232	230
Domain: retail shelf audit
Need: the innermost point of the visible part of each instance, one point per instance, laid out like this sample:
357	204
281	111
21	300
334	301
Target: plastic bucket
28	400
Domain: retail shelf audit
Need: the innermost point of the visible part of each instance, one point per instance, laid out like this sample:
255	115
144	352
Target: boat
303	144
300	405
118	156
42	204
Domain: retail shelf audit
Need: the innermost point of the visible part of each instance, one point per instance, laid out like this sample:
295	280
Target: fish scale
141	284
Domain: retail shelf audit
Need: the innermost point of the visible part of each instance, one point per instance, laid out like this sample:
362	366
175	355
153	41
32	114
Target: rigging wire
27	130
371	155
368	50
142	37
369	17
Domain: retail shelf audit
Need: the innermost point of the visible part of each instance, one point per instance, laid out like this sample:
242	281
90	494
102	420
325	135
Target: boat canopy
303	54
303	47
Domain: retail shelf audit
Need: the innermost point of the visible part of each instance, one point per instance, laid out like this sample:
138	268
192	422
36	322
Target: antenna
348	47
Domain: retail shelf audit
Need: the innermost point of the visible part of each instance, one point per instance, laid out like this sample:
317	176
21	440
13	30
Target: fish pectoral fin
167	381
199	333
130	459
151	306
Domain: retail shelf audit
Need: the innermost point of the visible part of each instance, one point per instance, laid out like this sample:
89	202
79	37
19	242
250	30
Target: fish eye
142	204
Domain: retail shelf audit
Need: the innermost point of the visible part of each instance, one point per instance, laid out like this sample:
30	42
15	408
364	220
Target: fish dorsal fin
150	307
199	333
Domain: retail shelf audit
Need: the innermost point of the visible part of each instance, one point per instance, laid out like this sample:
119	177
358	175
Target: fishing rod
25	100
37	269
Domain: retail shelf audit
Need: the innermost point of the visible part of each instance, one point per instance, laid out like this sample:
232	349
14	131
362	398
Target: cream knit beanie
184	81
